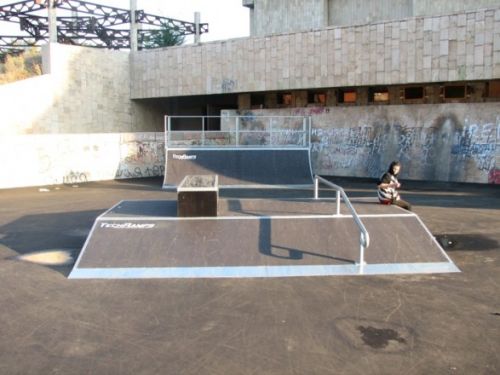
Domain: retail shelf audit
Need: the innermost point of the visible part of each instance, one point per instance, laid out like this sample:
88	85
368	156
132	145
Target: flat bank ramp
241	167
256	238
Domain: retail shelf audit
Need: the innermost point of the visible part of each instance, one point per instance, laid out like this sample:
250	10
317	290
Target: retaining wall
441	142
36	160
83	90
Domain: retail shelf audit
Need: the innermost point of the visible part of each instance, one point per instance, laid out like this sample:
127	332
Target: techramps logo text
183	157
127	225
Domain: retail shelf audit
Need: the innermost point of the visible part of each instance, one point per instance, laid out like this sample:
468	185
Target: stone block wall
358	12
355	12
440	142
457	47
281	16
83	90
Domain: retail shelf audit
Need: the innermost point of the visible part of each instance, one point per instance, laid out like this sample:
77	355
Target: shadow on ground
44	238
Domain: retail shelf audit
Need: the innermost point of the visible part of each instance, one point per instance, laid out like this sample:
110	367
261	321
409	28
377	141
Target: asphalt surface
413	324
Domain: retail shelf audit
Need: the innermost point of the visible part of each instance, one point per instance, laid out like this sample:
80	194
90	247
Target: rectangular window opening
285	98
316	97
378	95
257	100
412	93
455	92
494	89
347	96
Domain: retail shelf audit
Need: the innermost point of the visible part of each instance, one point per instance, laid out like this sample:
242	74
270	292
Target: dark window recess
257	100
314	97
412	93
455	92
284	98
378	95
346	96
494	89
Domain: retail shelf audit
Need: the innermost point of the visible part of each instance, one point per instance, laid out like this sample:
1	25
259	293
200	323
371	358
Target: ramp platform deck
256	238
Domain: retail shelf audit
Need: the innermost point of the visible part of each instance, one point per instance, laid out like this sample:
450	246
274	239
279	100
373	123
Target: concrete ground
413	324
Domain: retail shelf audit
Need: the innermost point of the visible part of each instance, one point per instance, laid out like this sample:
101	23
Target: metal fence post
304	132
338	202
169	130
237	141
316	187
361	254
270	131
203	131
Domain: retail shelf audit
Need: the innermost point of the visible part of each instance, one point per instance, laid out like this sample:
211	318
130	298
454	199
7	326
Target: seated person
388	185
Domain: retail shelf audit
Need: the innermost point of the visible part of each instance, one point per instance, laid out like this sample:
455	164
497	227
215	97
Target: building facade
414	80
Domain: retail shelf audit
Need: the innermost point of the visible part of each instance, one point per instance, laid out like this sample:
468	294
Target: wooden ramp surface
256	238
241	167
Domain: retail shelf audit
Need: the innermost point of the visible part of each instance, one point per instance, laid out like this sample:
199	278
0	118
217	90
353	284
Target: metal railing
239	131
364	238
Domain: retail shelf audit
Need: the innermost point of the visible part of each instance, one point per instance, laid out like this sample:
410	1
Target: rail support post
316	187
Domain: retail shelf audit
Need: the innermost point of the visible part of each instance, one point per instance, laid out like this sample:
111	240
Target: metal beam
97	30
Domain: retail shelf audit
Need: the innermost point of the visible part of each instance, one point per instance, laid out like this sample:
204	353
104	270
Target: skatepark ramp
273	237
244	151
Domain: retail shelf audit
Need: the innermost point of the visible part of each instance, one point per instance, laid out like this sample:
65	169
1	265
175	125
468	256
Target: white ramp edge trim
262	271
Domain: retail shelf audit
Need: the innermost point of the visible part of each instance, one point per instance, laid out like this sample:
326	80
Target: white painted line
245	217
90	234
262	271
242	217
84	246
194	189
110	209
435	241
385	215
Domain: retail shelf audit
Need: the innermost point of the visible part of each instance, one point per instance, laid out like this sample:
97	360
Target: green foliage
165	37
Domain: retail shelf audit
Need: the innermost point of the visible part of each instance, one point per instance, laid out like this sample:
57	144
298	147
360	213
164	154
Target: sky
226	18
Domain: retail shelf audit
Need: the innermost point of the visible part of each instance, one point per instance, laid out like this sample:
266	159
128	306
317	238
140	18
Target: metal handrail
364	239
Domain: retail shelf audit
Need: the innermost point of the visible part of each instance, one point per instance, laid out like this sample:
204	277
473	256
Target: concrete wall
269	17
436	7
356	12
282	16
83	90
442	142
459	47
72	124
48	159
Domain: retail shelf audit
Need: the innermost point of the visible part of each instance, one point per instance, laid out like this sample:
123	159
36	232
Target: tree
165	37
22	66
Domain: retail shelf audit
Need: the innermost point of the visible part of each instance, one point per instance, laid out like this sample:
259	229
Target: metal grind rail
364	238
239	131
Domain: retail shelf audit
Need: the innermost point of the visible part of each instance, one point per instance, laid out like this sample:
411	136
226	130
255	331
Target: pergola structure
99	25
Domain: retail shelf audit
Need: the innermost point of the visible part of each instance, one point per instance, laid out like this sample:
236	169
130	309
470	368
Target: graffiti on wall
79	158
75	177
140	171
228	85
435	142
447	150
141	158
142	152
494	176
